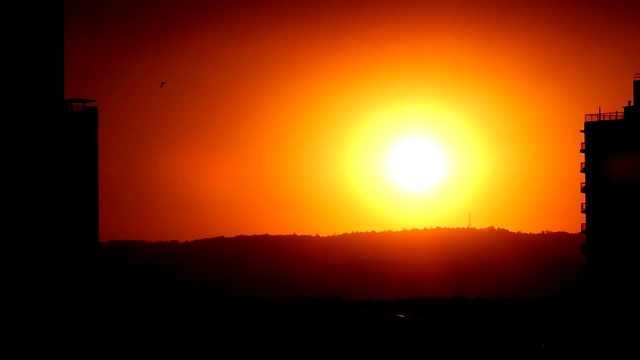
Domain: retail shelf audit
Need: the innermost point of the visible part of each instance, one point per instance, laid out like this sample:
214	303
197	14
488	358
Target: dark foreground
106	311
204	326
178	320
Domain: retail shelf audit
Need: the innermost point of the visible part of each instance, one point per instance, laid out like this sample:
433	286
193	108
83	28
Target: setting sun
416	164
434	170
280	118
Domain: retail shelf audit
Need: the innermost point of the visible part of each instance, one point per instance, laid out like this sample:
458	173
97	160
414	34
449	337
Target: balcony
583	187
583	208
583	228
582	167
582	147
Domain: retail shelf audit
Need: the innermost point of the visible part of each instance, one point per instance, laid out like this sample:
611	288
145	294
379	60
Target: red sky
276	117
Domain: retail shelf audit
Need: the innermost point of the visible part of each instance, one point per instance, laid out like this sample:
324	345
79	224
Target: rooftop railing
616	115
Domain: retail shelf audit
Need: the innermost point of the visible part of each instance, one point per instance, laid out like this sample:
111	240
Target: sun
416	164
413	164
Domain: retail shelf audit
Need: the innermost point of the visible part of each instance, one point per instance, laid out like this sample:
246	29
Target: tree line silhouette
386	265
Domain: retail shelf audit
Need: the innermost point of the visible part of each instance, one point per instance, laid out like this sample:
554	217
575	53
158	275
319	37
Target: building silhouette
79	167
611	191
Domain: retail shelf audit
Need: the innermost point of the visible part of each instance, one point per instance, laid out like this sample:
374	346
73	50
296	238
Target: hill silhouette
442	262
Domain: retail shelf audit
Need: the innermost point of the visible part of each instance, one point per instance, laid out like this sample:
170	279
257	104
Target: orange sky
276	116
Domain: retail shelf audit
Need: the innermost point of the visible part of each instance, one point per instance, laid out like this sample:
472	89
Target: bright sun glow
416	164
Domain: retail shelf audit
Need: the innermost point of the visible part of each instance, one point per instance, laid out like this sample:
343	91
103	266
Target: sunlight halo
410	197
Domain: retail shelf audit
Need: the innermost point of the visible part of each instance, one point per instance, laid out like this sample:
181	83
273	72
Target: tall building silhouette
611	191
79	167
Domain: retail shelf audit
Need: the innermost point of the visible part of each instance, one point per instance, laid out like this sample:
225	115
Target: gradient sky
276	115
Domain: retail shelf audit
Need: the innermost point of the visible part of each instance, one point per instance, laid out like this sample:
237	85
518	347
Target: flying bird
162	84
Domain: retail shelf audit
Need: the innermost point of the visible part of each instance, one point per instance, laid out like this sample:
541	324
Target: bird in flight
162	84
